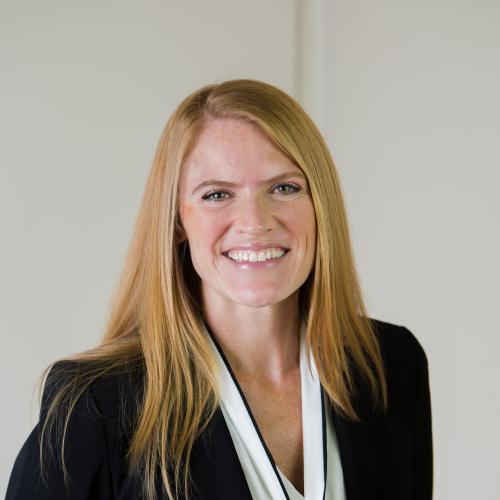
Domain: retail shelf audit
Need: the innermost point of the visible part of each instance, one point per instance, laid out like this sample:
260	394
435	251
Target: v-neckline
312	393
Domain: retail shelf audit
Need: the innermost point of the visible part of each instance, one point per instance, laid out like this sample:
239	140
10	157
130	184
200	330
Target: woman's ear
180	234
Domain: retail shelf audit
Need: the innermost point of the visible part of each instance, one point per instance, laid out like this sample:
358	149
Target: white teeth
268	253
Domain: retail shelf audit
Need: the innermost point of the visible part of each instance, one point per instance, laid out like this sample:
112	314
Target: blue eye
289	185
217	195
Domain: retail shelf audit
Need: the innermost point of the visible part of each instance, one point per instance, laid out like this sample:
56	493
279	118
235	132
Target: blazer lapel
215	467
367	455
357	456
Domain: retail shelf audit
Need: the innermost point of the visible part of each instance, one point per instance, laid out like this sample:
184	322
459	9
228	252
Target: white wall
407	94
85	90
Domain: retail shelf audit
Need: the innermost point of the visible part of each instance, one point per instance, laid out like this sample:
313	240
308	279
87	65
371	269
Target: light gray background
406	94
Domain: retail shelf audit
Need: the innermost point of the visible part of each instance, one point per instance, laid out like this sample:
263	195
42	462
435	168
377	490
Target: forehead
234	147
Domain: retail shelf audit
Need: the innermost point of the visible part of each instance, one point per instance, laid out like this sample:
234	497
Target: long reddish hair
155	319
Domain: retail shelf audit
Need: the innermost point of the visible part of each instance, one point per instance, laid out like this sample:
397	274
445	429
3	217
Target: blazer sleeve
85	452
422	448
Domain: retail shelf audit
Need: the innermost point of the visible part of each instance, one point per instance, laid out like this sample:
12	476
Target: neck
260	344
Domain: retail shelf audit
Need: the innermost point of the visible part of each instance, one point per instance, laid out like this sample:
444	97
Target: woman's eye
214	196
220	195
294	188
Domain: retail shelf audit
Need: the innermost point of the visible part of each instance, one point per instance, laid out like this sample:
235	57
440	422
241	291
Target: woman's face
240	194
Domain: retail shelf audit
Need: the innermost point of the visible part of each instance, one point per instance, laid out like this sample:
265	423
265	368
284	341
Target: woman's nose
254	216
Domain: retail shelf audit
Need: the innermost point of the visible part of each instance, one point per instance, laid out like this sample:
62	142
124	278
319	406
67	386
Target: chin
258	299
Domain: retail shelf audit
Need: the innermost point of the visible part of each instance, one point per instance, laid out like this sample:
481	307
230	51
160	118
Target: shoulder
108	388
405	364
96	419
397	341
107	401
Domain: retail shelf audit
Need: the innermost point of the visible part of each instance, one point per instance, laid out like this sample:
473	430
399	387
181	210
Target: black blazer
387	457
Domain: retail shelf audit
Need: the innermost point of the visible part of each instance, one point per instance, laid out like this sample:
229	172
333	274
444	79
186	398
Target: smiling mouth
258	261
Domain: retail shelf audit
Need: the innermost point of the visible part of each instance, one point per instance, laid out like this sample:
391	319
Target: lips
255	247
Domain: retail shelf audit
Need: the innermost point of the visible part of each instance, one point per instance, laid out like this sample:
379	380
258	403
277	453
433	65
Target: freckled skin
252	211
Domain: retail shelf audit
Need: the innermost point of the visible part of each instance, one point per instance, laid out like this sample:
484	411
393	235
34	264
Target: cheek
303	223
203	229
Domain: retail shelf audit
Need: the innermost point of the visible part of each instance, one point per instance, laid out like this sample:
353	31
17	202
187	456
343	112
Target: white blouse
264	478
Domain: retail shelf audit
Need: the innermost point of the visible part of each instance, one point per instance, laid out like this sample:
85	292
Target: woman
239	361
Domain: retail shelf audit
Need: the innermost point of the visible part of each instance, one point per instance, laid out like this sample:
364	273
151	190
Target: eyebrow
216	182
